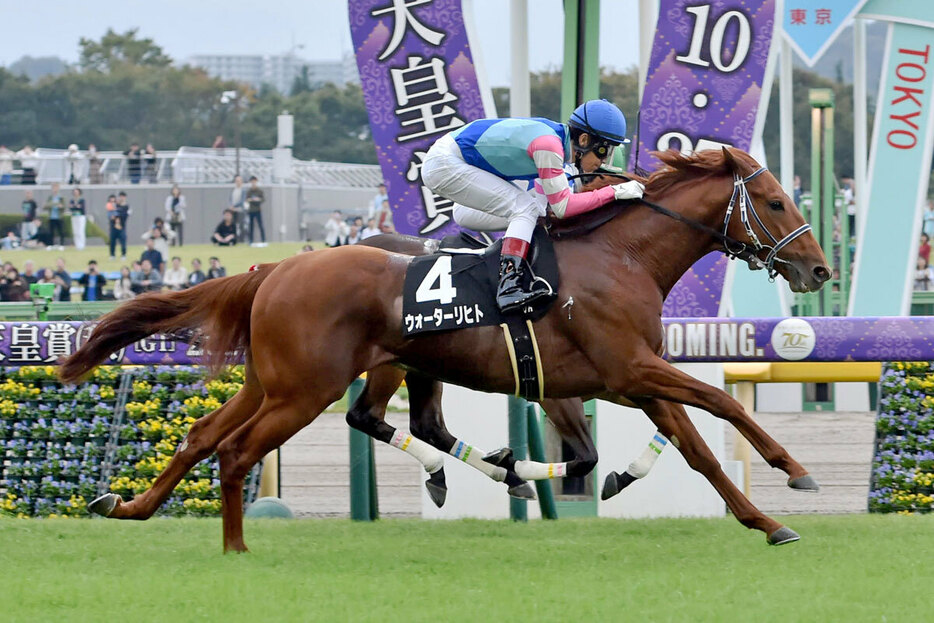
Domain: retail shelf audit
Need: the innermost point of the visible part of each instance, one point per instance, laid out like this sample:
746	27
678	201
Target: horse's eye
777	206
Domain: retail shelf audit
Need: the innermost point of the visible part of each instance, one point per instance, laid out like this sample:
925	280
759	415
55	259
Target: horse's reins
732	247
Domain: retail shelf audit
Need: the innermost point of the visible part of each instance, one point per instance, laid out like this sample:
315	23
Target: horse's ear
731	163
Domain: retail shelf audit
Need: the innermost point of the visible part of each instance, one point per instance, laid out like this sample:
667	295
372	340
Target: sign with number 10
703	90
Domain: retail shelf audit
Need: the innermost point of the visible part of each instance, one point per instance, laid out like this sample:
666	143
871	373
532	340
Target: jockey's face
592	155
589	162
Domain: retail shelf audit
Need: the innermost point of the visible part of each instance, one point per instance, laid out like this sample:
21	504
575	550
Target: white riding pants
483	201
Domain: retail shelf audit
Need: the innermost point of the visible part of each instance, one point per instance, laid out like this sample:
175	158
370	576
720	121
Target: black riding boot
514	291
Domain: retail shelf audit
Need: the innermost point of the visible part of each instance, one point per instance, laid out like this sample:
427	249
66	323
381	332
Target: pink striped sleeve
547	153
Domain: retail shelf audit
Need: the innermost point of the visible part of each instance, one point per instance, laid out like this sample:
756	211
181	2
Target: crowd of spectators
93	285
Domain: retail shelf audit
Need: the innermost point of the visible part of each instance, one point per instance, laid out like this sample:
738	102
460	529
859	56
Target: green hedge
13	221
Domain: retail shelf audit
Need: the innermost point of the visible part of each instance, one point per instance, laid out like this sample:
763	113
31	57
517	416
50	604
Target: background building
279	71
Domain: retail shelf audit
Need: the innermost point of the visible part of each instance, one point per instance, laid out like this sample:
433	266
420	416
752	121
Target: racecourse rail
687	340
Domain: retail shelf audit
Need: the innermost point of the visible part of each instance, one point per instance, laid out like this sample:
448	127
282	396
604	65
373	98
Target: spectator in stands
238	205
219	142
254	202
133	160
335	230
73	160
176	277
216	270
118	219
55	206
123	286
13	287
353	236
47	276
847	186
225	234
384	217
148	280
65	277
94	165
6	165
923	275
151	253
30	275
377	204
33	236
150	162
10	241
928	223
29	162
175	213
78	209
387	228
30	208
196	275
797	192
159	234
93	283
370	229
924	250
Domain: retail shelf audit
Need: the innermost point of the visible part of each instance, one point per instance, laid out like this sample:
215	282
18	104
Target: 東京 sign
811	27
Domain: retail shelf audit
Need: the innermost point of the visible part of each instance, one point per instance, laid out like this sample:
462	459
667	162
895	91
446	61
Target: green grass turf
845	568
236	259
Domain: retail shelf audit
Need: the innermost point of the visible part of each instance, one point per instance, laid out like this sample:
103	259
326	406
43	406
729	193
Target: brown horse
312	324
426	420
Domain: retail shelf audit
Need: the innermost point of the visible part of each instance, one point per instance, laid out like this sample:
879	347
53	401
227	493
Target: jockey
475	165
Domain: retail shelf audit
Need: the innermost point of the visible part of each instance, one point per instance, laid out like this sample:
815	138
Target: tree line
126	89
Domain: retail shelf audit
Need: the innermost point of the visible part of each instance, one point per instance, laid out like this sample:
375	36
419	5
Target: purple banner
686	340
704	89
419	82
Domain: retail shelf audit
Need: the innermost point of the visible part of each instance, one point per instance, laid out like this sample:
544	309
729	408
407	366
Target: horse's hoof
804	483
783	535
438	494
615	483
610	487
525	491
105	504
500	458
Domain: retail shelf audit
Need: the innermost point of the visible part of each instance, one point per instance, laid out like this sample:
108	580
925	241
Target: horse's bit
745	207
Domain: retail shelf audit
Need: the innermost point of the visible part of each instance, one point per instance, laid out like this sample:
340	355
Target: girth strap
524	356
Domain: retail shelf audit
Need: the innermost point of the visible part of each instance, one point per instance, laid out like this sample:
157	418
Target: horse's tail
220	308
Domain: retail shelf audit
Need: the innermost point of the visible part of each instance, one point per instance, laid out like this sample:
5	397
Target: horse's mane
679	167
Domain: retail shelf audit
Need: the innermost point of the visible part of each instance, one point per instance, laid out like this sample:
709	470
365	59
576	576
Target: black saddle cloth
456	287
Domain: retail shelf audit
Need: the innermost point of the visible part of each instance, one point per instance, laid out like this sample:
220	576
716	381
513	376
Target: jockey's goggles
602	149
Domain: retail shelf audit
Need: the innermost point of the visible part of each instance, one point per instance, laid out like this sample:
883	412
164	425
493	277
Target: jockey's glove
628	190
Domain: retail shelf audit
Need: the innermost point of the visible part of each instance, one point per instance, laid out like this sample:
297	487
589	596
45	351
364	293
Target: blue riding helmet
600	119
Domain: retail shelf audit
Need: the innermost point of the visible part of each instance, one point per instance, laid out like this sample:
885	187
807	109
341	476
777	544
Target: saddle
456	289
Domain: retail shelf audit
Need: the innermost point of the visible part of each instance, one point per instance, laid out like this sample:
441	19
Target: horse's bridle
746	206
733	248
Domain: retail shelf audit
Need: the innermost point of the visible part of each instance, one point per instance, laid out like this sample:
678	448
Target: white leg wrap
473	456
532	470
428	456
641	466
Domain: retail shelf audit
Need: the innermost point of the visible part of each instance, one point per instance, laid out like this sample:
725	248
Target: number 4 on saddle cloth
456	289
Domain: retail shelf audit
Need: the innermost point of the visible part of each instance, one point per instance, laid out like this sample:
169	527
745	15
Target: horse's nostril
821	273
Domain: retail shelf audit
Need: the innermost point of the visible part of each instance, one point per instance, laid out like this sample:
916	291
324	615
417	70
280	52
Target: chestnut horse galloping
311	324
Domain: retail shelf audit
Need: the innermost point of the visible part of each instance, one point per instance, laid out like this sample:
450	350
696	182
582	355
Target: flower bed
54	437
903	465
